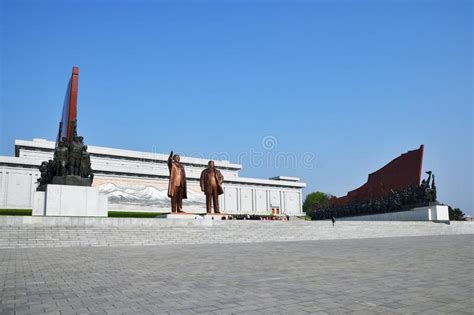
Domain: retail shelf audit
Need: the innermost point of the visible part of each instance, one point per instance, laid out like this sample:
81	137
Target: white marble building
137	181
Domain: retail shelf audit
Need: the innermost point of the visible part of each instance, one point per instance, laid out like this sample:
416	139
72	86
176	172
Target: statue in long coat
177	183
211	184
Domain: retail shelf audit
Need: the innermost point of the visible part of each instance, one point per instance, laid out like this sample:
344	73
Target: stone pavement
402	275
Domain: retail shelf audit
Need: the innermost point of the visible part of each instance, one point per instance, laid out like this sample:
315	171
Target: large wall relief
147	195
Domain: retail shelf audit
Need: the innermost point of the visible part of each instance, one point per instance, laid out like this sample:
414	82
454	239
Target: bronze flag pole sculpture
71	163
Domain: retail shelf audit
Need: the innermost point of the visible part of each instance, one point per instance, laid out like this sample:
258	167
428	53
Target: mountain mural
147	196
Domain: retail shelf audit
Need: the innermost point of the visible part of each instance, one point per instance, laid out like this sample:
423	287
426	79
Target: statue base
215	216
184	216
198	216
71	180
70	201
432	212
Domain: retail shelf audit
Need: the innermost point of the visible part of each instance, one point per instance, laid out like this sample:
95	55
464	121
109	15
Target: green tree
316	198
456	214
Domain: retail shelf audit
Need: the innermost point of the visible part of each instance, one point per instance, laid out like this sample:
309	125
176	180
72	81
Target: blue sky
351	84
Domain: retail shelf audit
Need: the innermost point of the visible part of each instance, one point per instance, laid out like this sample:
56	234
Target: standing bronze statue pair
211	181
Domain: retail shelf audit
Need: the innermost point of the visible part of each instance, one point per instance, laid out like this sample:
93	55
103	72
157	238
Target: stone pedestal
71	201
436	212
72	180
433	212
215	216
39	203
184	216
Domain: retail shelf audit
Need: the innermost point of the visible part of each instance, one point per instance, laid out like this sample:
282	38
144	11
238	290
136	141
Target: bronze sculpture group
400	200
71	164
211	181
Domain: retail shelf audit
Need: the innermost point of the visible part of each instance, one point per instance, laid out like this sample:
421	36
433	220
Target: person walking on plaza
333	221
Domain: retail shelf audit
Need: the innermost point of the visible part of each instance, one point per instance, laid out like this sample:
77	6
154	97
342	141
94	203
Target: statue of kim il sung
177	183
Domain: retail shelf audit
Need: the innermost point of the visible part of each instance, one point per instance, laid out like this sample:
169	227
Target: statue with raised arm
428	192
433	190
211	184
430	173
177	183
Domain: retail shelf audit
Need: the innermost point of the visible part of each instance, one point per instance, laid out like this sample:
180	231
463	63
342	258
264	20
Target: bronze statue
85	163
61	159
71	166
211	184
43	180
50	170
46	174
177	183
75	155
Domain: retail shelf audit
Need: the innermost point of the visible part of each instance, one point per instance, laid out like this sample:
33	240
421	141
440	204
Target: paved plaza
399	275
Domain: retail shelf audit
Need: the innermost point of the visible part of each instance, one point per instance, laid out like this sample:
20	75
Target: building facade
138	181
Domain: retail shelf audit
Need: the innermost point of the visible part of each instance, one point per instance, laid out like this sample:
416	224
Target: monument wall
394	188
138	181
400	173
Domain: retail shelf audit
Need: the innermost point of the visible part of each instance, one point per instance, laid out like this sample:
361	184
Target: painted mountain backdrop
147	196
